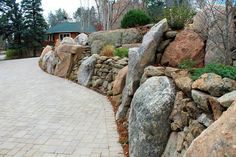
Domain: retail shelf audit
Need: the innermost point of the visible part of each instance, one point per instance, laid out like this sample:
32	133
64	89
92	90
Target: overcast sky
69	5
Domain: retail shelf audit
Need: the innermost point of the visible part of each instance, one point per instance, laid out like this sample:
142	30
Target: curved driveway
45	116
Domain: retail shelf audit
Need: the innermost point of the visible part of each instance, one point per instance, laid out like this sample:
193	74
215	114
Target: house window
62	35
50	37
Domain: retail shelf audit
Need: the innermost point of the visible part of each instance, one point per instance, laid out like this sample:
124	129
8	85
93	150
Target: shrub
187	64
178	16
220	69
107	50
12	54
121	52
135	18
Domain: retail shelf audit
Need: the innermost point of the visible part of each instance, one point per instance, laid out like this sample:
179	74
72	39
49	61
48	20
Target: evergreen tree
11	24
155	9
59	16
35	24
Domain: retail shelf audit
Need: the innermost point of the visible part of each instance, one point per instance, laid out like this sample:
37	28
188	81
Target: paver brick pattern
45	116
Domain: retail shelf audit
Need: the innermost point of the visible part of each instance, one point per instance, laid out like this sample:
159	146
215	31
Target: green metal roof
67	27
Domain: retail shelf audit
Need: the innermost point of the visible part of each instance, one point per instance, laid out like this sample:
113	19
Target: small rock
214	84
154	71
109	77
105	84
109	87
171	34
163	45
169	71
201	99
203	119
227	99
183	81
97	83
98	65
119	82
215	107
122	62
103	58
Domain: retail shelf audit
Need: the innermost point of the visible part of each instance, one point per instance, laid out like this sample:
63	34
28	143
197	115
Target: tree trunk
228	13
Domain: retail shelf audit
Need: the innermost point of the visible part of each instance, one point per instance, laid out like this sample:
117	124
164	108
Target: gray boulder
81	39
117	37
49	62
86	70
139	59
149	125
68	41
127	94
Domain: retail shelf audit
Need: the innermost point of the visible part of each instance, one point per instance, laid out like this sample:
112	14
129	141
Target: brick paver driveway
46	116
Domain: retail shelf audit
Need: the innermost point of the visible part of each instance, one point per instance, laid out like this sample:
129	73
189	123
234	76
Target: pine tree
59	16
35	24
11	24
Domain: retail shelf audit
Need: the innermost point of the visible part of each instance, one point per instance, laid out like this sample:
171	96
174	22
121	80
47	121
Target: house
67	29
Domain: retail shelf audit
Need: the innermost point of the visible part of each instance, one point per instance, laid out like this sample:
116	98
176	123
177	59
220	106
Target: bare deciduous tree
215	22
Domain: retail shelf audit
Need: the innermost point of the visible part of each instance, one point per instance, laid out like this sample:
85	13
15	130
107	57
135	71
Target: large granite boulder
149	125
45	50
86	70
65	53
49	62
117	37
219	139
187	45
139	58
68	41
81	39
63	65
214	84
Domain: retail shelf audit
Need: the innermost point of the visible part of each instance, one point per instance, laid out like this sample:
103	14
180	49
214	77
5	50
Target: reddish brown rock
119	82
183	81
215	107
219	139
187	45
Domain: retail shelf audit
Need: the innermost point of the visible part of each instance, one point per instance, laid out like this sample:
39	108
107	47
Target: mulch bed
122	130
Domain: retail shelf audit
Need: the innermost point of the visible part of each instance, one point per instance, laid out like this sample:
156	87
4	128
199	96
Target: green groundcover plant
121	52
